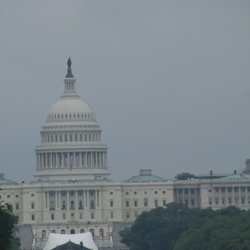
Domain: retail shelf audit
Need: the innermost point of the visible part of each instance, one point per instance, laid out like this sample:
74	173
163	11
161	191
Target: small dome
145	176
70	109
4	181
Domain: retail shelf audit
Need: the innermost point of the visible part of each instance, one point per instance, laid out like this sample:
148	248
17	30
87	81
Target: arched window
101	232
53	231
82	231
62	231
43	234
92	231
72	231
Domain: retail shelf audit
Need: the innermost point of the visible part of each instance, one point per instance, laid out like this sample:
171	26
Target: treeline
178	227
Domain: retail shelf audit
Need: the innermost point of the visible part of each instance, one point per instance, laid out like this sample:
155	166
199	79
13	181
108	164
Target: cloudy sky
168	80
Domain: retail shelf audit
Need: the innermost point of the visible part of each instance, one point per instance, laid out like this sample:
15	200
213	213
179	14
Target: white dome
70	109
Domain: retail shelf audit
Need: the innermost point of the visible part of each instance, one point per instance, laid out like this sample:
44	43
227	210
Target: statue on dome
69	63
69	73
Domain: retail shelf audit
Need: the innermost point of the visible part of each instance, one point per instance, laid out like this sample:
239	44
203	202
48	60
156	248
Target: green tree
223	229
158	229
184	176
8	223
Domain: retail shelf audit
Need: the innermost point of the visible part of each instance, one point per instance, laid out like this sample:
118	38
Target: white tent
59	239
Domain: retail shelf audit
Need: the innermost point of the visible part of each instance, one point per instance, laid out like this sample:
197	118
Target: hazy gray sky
169	81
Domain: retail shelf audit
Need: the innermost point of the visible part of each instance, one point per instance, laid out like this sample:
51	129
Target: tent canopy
56	240
71	246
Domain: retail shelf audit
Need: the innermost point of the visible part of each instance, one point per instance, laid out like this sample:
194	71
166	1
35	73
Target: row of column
232	197
189	196
57	200
71	159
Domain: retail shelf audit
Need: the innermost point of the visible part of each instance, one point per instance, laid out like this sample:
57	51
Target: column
56	200
76	200
59	200
68	162
80	159
63	163
67	201
85	159
42	160
47	205
96	200
46	161
37	161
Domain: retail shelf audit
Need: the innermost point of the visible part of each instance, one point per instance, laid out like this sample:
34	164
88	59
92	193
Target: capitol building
72	191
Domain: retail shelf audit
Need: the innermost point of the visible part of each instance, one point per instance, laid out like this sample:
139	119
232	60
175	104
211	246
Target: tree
223	229
178	227
158	229
8	222
184	176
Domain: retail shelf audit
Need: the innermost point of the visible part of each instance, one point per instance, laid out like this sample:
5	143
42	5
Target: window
92	204
145	202
62	231
101	232
82	231
53	231
164	202
111	203
70	137
32	217
32	205
135	203
111	215
72	231
80	137
75	137
65	138
64	205
80	216
156	192
135	192
127	215
17	195
17	206
156	203
43	234
92	231
164	192
92	216
8	196
127	203
52	216
111	193
127	193
80	205
64	216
